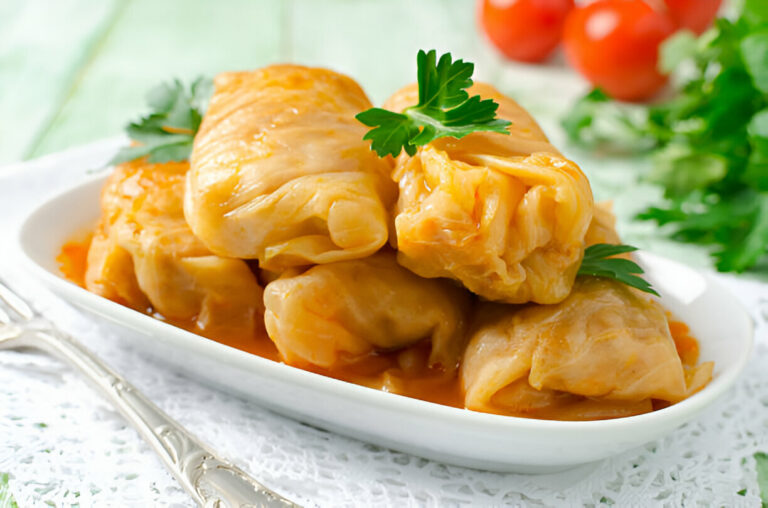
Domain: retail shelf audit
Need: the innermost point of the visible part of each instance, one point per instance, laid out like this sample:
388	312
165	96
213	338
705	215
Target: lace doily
63	445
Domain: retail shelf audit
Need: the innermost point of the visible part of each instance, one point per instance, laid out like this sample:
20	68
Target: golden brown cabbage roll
605	342
335	314
144	255
280	171
505	215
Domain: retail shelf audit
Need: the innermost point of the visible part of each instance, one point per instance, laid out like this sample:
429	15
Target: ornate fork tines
212	482
5	319
15	303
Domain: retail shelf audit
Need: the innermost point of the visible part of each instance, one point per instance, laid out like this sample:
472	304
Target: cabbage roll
505	215
280	171
334	314
144	255
605	342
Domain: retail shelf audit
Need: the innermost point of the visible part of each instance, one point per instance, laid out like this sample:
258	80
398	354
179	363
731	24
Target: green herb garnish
598	122
709	144
761	463
444	109
167	133
6	498
599	262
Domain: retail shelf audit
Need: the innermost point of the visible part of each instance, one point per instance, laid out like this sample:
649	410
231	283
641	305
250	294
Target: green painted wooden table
73	71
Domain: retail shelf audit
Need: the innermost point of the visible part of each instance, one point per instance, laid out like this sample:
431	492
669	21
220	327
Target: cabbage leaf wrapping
280	171
334	314
145	256
504	214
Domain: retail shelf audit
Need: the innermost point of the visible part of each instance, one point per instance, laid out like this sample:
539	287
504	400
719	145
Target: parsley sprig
444	109
599	262
167	133
761	463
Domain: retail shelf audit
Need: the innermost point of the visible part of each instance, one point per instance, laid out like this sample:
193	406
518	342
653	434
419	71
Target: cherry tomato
696	15
525	30
615	44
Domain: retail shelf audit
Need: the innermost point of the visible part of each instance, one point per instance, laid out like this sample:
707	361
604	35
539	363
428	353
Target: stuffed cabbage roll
280	171
334	314
505	215
144	255
606	343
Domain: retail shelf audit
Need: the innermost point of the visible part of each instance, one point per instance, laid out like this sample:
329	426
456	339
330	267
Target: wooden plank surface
153	41
376	41
136	43
43	44
96	83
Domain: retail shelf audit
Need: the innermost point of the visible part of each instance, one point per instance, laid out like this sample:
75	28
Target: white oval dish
456	436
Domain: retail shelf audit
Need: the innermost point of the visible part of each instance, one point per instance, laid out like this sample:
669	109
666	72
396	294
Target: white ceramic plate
438	432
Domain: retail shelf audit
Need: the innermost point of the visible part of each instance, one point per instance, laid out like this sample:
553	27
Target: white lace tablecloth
62	445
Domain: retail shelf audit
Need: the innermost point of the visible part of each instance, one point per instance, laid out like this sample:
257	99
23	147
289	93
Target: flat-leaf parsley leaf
599	262
444	109
167	133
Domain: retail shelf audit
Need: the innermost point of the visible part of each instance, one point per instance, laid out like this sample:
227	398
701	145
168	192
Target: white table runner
62	444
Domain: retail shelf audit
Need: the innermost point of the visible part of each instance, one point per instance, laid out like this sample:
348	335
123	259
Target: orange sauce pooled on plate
687	345
403	372
73	260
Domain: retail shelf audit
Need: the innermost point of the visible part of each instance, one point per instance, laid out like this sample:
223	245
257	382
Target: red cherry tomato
615	44
696	15
525	30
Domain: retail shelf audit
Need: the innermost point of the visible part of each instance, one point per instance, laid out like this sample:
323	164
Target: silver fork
211	481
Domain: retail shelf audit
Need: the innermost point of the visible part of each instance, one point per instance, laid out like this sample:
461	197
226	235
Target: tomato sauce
73	260
687	345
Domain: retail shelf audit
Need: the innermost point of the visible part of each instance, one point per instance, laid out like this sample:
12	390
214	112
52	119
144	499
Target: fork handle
211	481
